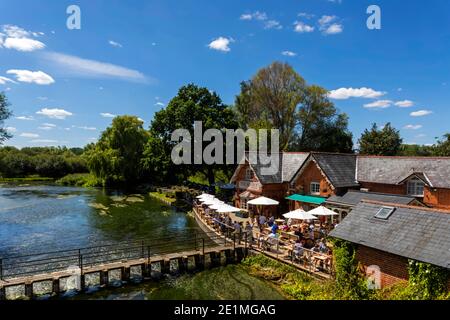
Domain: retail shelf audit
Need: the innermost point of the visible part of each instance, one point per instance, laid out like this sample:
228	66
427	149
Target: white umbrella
210	201
205	195
226	208
322	211
299	214
216	205
263	201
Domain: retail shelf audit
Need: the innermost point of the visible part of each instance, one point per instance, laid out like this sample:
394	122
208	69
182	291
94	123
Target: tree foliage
278	97
383	142
5	113
192	103
117	156
442	148
43	161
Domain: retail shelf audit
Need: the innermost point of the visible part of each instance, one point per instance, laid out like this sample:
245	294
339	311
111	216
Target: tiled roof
339	168
393	170
353	197
411	232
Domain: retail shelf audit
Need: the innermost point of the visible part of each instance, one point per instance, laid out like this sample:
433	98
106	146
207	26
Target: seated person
274	228
298	249
271	221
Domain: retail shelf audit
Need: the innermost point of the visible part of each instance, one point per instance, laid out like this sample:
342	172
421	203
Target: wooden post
165	266
146	269
182	264
229	256
29	290
55	286
104	278
125	273
199	262
2	293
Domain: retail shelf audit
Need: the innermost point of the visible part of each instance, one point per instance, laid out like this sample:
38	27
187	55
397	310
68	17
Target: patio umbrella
210	201
322	211
263	201
299	214
226	208
204	195
216	205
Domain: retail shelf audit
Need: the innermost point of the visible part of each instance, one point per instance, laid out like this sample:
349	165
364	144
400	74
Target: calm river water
42	218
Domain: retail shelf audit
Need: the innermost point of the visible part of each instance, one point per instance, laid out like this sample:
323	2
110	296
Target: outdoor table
279	221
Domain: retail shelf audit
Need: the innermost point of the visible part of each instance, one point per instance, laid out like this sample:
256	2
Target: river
36	218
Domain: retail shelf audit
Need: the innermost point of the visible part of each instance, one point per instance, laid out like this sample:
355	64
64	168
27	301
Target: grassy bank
163	196
79	180
27	179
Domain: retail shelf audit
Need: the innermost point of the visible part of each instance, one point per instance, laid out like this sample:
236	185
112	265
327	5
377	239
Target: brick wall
311	173
438	198
393	268
384	188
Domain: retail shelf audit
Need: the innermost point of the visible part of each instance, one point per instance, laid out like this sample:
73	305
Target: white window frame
311	188
414	186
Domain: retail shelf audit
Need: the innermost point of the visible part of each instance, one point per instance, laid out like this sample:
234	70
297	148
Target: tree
278	97
192	103
117	156
320	126
442	148
384	142
5	113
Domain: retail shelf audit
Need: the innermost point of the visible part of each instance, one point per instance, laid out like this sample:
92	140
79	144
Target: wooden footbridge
133	260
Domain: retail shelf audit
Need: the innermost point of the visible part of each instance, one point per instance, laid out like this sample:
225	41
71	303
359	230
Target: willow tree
117	157
5	113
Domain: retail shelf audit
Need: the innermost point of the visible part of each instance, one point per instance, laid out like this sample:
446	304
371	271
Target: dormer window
415	187
248	174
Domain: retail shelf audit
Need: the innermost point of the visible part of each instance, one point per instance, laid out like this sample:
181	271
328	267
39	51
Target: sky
131	57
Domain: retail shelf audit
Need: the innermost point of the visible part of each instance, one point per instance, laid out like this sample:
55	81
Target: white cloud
92	68
379	104
44	141
328	26
55	113
23	44
4	80
25	118
301	27
257	15
306	15
85	128
289	53
115	44
420	113
29	135
412	127
42	98
221	44
107	115
11	129
404	104
159	104
273	24
28	76
346	93
19	39
47	126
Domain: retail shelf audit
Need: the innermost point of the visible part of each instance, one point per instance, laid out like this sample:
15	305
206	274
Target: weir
61	271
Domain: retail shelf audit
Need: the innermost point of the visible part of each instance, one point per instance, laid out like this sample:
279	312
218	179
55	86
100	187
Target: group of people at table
302	242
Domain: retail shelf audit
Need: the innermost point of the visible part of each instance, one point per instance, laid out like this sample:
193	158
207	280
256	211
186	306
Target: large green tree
442	148
380	142
192	103
5	113
278	97
117	157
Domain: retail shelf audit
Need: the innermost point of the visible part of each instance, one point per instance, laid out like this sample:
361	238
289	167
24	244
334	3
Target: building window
244	204
315	188
415	187
248	174
384	213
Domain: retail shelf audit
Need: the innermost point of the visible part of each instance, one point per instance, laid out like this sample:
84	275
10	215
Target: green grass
162	196
79	180
27	179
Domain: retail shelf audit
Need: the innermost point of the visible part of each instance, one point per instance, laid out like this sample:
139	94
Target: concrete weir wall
111	276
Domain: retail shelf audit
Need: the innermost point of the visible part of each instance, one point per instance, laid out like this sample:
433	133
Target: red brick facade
312	173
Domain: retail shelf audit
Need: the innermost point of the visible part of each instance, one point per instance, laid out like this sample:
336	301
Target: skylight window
384	213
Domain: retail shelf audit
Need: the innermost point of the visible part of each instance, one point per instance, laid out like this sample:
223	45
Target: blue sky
130	57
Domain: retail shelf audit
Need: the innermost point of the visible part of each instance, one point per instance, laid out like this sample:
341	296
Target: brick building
388	234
